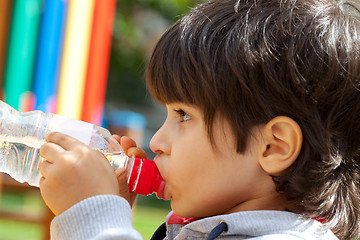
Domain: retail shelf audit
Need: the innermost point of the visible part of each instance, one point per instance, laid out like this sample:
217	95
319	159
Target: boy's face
202	180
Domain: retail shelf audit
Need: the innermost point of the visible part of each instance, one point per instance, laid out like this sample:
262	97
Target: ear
282	144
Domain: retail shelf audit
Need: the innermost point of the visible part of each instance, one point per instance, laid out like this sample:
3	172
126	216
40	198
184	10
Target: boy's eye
182	115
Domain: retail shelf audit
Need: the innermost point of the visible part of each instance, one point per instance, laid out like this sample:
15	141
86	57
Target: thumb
123	186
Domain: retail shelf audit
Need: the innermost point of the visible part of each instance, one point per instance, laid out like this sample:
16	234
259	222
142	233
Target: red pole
95	87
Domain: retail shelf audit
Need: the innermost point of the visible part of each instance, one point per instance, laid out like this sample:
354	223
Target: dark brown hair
253	60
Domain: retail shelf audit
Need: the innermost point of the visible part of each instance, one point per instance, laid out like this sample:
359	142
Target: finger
65	141
123	186
44	169
136	152
132	198
127	143
50	151
41	181
117	138
130	148
120	171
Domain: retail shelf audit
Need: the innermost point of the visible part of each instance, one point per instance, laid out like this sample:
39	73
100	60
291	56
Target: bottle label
80	130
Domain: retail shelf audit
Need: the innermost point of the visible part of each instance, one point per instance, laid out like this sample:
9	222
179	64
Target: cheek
188	175
188	162
183	174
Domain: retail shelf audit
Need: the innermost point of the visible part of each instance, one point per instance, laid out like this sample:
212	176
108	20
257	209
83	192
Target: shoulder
265	225
283	237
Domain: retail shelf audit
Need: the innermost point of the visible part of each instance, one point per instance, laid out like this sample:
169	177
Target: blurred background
84	59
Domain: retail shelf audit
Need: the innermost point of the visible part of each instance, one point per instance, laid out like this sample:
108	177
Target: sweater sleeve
103	217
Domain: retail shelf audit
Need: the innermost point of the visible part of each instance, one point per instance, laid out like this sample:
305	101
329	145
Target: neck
271	201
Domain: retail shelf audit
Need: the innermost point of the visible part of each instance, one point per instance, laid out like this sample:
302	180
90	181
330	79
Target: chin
180	211
186	212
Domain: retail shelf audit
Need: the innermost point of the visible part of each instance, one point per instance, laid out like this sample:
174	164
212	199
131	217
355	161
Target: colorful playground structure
54	55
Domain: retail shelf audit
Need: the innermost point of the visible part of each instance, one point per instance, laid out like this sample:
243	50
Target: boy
261	139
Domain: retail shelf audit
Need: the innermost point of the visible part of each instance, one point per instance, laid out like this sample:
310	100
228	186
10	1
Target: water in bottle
22	134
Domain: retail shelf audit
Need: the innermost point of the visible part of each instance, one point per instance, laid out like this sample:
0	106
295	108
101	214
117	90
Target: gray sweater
109	217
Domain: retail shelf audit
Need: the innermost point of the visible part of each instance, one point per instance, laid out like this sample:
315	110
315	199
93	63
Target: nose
160	143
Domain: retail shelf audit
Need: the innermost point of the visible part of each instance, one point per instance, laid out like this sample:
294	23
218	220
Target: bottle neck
144	177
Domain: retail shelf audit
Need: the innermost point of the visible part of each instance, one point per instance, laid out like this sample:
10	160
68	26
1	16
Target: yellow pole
75	58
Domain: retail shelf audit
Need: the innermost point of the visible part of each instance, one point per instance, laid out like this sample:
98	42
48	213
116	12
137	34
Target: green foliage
147	219
138	24
167	8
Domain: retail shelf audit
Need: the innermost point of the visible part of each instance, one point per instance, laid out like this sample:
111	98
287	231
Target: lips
161	191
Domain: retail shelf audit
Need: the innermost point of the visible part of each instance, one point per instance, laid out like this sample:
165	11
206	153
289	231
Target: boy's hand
73	172
130	148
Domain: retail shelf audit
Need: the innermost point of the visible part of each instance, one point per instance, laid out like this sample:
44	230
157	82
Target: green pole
21	51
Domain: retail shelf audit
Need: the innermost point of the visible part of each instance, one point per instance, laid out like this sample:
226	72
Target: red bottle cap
145	178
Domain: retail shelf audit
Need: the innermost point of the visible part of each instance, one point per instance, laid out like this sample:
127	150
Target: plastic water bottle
23	133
